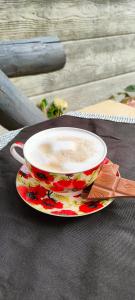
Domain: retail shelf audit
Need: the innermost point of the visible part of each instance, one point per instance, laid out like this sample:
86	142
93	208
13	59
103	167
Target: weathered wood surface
100	45
90	93
31	56
68	19
87	61
15	109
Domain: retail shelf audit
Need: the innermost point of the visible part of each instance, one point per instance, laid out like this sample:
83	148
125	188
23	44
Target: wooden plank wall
98	37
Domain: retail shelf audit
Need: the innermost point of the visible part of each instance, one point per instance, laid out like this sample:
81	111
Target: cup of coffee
63	159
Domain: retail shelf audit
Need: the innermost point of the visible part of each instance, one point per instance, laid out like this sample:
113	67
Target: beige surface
110	107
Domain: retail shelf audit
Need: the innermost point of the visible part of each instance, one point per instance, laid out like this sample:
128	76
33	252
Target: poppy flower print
63	182
91	206
78	184
57	188
66	212
106	161
32	195
42	175
53	202
89	172
24	175
61	185
49	203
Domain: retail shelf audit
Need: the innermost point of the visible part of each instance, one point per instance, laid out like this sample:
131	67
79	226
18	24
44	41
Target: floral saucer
52	203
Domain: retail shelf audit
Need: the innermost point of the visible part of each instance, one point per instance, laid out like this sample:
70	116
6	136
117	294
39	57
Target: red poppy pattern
53	203
90	207
62	185
31	194
65	212
64	182
19	143
25	175
89	172
50	203
42	175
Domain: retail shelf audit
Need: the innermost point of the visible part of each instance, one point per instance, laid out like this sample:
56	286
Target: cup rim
71	172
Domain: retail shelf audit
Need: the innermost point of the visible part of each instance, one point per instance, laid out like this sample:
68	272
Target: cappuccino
65	150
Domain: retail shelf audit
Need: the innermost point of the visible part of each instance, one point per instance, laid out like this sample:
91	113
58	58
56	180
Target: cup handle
14	153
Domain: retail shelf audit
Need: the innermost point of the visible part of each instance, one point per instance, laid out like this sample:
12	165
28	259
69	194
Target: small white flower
60	103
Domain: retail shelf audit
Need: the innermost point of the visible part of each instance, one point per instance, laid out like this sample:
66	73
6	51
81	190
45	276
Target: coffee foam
65	150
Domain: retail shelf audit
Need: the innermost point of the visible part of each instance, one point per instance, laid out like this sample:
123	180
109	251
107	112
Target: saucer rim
66	216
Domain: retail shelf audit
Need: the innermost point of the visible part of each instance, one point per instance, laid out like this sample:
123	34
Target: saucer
52	203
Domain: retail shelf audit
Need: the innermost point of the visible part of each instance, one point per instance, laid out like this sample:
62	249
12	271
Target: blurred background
99	41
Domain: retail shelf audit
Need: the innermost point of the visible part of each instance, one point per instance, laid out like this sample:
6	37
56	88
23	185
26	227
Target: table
84	258
110	107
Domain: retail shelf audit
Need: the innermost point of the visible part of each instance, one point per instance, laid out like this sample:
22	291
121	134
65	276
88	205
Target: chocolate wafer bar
110	186
110	168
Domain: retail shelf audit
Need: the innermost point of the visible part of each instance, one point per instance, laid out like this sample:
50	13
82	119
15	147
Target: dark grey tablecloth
46	258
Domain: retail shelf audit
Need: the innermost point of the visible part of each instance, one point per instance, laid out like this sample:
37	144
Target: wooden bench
19	58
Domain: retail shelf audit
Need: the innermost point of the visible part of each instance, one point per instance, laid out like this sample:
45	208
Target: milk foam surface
64	150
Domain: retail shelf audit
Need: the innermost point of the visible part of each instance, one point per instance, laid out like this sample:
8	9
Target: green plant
54	109
43	104
125	96
130	88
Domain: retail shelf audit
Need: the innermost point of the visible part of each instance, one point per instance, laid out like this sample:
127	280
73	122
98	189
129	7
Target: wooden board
31	56
87	61
68	19
99	42
90	93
